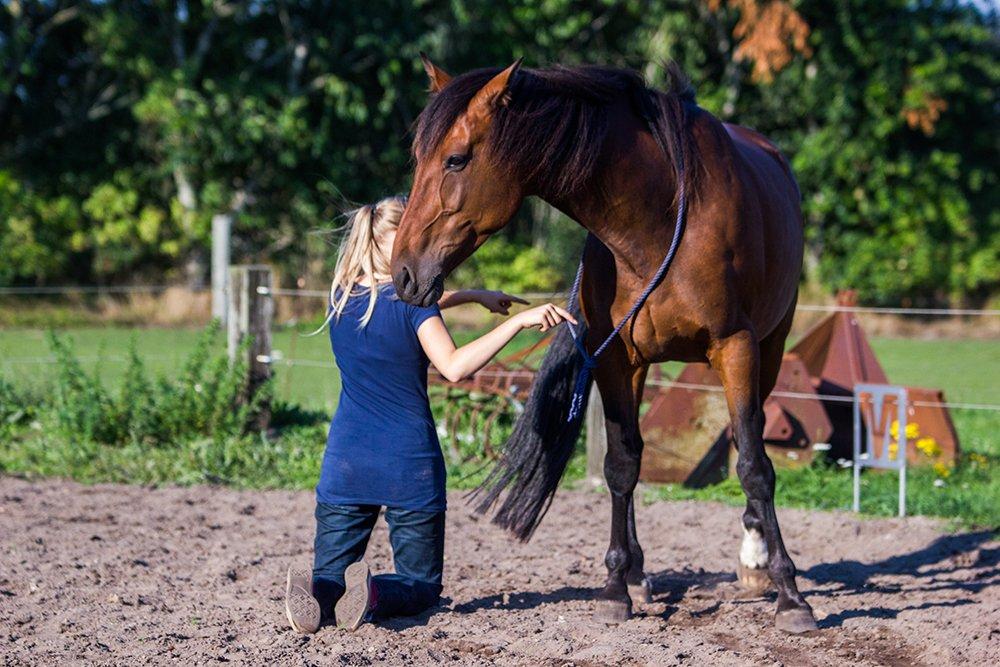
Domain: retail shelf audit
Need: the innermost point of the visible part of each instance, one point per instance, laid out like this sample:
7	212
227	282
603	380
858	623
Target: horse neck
629	206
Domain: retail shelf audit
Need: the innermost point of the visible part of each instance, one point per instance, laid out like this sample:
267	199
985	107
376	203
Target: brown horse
600	146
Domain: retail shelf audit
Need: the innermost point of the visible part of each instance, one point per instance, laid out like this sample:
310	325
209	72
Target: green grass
163	350
970	496
967	370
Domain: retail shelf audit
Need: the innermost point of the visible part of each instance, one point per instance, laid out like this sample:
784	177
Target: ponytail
363	256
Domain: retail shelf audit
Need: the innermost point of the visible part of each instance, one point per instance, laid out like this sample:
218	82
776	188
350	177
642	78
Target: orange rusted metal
686	429
794	418
838	356
927	410
933	438
686	426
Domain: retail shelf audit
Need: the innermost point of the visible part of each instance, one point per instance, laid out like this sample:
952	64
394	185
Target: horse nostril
406	282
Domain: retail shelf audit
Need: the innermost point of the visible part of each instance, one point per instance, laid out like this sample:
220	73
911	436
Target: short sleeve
420	315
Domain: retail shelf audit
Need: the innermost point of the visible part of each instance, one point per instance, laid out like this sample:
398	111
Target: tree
128	124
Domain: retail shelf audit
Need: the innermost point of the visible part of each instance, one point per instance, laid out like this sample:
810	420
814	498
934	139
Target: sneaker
356	601
301	607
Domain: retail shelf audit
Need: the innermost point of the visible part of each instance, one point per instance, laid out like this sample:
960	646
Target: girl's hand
544	317
496	301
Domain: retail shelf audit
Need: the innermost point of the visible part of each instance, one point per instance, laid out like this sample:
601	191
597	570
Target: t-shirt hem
332	500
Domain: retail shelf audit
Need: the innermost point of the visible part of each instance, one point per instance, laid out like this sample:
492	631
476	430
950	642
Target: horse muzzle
415	291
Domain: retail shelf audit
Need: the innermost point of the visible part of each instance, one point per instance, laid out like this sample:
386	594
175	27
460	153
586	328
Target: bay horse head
488	139
460	196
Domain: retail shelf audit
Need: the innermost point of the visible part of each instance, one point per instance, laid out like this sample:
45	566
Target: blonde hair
363	255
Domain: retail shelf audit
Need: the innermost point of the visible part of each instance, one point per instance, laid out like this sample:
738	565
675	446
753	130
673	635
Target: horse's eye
456	162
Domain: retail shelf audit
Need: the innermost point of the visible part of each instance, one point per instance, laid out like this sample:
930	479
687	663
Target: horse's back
762	154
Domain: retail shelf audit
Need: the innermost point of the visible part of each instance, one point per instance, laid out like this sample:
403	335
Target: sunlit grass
966	370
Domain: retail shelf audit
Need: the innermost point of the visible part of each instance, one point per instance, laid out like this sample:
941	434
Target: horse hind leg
752	567
737	360
753	557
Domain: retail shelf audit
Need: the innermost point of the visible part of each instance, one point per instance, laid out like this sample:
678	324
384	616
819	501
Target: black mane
553	129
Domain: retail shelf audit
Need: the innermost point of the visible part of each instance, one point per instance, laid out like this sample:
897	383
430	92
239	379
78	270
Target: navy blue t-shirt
383	447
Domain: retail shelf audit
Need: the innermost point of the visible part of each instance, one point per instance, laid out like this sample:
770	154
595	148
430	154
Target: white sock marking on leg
753	552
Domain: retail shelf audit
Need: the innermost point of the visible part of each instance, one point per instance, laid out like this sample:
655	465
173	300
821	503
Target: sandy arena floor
122	575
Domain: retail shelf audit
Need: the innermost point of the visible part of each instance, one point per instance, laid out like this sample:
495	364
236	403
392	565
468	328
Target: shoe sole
301	607
353	604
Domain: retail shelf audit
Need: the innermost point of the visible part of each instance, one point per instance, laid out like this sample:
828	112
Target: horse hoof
795	621
641	593
613	611
754	580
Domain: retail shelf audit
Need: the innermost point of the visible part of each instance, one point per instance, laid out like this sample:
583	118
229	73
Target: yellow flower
912	430
977	458
929	446
893	450
942	470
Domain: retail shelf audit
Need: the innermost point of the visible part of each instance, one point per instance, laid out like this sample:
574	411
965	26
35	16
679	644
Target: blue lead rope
590	360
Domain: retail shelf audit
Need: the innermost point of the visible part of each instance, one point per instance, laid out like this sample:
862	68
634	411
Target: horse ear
496	92
439	78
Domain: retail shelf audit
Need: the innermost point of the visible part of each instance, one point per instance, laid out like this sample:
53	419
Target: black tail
540	445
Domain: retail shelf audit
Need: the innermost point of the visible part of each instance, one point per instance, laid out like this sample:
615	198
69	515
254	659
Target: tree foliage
126	125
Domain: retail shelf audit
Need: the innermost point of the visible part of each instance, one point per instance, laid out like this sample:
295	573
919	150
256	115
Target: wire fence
823	308
277	358
531	296
91	289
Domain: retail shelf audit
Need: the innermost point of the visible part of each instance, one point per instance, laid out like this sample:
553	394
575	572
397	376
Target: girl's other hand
496	301
544	317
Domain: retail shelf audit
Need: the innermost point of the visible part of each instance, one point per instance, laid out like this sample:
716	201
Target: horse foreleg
639	588
621	391
737	360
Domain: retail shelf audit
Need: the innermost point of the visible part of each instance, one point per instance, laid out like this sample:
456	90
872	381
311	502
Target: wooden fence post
597	437
251	310
222	225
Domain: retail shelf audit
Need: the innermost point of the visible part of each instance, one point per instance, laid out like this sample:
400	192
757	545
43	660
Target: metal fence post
597	437
251	311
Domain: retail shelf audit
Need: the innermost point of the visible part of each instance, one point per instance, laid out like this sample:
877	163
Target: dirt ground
122	575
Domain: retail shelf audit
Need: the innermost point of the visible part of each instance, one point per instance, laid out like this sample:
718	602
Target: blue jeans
417	540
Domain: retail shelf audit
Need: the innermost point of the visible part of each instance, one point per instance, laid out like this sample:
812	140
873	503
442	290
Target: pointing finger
566	315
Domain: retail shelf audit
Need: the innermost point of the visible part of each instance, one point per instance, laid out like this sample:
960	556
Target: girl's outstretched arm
493	301
459	363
